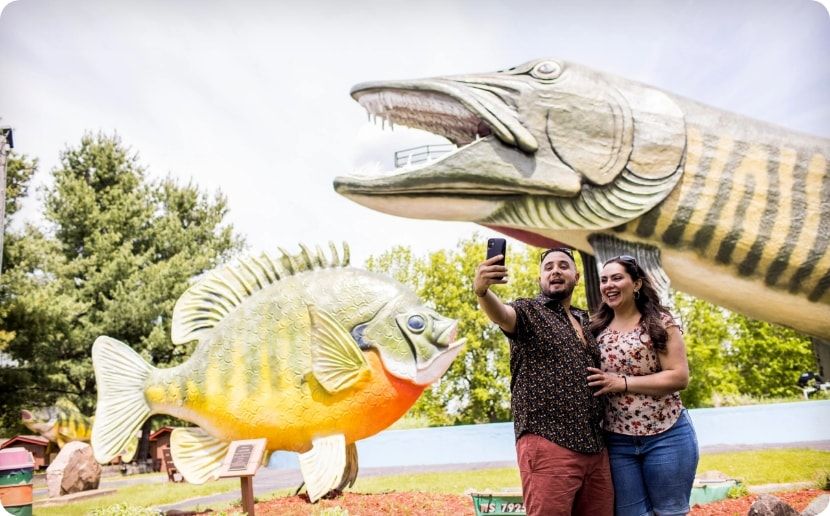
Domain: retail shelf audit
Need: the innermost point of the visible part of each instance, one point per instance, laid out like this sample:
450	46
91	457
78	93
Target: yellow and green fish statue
64	422
301	350
61	423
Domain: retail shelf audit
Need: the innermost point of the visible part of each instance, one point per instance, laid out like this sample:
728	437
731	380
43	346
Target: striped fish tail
121	375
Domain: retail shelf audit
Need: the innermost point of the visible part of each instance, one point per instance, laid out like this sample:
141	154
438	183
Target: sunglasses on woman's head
563	250
627	258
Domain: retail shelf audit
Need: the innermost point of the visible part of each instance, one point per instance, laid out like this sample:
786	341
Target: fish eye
546	70
416	323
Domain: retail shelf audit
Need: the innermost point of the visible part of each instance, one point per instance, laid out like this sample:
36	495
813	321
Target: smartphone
495	247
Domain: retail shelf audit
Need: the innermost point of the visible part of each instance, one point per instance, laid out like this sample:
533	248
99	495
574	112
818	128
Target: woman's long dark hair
647	302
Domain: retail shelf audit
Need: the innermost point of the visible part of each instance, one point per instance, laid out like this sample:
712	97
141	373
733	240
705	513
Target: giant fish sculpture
306	352
732	210
61	423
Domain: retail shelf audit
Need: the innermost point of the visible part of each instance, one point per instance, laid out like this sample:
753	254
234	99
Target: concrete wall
782	423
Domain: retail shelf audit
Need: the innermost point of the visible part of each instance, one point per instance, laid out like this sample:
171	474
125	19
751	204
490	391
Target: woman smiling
651	442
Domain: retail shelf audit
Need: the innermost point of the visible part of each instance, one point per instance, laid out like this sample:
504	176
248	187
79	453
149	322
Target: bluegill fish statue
302	350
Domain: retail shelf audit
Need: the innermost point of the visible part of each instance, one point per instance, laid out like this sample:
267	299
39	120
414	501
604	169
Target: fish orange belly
292	415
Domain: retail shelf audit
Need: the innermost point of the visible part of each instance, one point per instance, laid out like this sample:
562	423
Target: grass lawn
773	466
142	495
755	467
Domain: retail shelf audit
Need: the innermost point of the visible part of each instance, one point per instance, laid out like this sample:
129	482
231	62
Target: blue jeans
653	474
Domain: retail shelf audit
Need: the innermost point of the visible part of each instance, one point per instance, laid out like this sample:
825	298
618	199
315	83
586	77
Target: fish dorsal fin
218	293
197	454
648	258
65	404
324	466
336	359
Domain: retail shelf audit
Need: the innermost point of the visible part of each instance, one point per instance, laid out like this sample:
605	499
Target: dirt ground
423	504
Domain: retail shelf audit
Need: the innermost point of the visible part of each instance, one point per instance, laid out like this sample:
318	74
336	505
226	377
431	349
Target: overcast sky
252	97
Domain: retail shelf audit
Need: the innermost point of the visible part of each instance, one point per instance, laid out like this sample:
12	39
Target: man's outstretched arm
488	274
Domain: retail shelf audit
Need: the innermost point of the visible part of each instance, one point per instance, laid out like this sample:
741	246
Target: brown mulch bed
409	504
798	500
423	504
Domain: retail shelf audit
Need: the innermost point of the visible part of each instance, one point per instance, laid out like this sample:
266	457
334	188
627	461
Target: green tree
19	172
115	253
768	358
707	335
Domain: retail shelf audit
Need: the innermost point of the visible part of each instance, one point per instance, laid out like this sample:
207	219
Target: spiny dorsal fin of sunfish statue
299	349
733	210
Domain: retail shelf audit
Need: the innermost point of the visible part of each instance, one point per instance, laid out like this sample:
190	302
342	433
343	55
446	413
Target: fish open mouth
494	150
433	369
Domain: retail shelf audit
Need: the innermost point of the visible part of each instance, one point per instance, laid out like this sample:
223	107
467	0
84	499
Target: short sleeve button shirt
548	363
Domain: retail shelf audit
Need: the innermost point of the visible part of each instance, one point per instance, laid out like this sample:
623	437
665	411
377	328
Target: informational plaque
243	458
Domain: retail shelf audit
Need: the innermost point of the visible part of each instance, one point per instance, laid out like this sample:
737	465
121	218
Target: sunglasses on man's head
564	250
627	258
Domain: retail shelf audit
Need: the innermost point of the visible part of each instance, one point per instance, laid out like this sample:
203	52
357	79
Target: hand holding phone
495	247
491	271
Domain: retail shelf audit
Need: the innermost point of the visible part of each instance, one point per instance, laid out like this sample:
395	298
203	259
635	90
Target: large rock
769	505
73	470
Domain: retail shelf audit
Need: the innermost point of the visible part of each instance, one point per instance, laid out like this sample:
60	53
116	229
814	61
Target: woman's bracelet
625	379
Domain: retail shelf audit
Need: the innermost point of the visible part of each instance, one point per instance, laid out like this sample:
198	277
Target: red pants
558	481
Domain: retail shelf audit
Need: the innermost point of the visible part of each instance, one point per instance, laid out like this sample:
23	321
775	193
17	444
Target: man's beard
559	295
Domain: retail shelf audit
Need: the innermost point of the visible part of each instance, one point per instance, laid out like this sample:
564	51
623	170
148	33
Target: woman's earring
636	295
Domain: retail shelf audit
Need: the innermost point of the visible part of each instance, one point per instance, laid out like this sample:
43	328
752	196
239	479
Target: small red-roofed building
37	445
158	440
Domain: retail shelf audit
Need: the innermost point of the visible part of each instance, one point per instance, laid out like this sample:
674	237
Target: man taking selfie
559	442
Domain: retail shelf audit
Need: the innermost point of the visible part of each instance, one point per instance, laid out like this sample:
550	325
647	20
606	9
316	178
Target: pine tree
115	253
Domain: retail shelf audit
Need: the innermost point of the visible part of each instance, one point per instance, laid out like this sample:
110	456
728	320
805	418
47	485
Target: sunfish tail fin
197	454
121	375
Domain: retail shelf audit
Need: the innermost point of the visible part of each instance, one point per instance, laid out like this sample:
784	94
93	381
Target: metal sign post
243	460
6	143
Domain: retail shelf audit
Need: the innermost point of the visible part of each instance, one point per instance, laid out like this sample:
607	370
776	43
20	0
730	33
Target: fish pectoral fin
648	258
324	466
336	360
197	454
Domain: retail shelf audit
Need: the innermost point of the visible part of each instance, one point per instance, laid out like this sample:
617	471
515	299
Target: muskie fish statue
61	423
301	350
730	209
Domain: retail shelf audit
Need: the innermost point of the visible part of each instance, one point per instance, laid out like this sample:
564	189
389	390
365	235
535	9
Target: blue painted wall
757	424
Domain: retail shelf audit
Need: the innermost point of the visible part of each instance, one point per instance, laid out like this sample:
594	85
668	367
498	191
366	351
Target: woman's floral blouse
632	354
